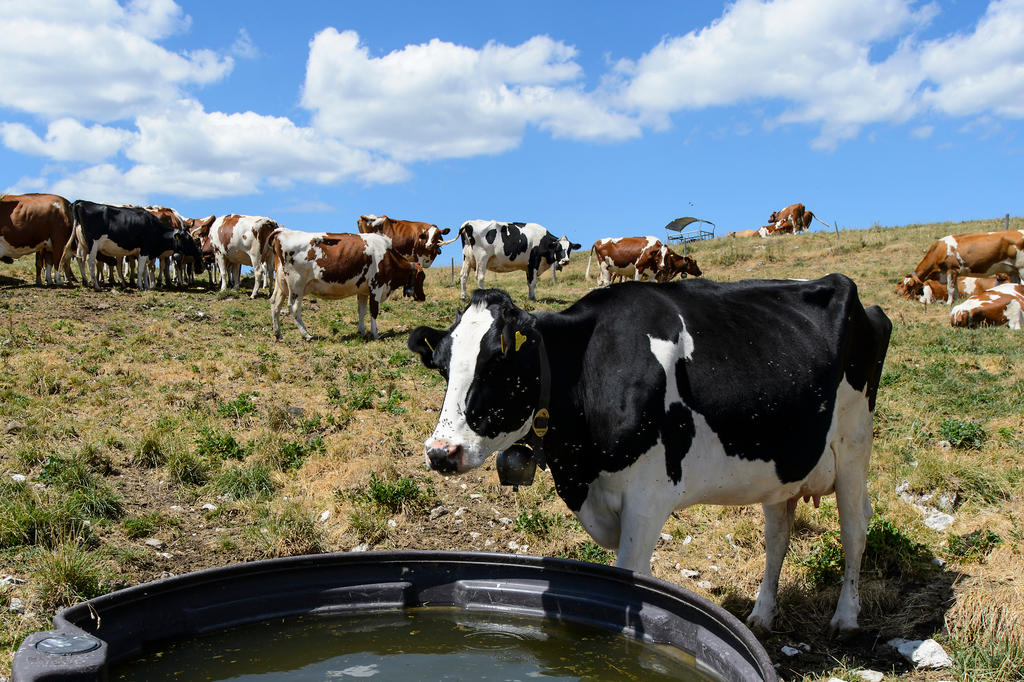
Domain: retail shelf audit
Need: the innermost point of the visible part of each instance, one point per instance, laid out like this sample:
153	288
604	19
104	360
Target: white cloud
923	132
243	46
97	60
66	140
812	56
437	99
983	70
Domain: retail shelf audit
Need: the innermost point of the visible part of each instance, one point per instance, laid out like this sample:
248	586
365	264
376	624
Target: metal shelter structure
688	229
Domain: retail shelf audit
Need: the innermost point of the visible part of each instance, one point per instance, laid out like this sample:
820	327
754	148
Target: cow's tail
586	275
458	235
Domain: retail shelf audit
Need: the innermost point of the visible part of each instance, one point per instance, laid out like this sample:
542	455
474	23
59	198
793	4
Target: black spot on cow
677	434
491	235
513	240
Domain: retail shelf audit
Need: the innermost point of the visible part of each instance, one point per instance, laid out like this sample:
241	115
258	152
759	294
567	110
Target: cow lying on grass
1001	305
647	398
933	291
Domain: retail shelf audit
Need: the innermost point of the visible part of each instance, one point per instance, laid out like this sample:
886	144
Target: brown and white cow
983	253
633	256
199	228
788	220
239	240
674	264
417	242
335	265
1001	305
745	233
934	290
30	223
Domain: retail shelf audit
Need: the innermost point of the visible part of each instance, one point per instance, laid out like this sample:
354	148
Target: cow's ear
575	246
446	230
424	341
517	329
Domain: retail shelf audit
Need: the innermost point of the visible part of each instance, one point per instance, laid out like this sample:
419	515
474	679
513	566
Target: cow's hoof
838	629
759	624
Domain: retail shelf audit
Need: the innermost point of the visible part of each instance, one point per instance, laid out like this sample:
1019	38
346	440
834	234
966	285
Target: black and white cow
660	396
119	231
505	247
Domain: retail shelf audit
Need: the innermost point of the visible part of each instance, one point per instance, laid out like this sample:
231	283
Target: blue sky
594	119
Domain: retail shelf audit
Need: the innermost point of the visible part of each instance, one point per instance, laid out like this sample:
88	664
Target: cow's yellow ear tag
502	337
520	340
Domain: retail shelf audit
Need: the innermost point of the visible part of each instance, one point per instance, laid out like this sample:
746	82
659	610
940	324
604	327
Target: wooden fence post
835	224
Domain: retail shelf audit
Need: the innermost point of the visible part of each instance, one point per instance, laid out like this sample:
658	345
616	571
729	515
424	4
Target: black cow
504	247
119	231
655	397
188	260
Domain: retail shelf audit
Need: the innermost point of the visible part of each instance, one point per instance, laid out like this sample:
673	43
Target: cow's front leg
778	523
641	526
142	272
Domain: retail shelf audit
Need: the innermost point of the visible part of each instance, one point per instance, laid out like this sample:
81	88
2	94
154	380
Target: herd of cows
640	400
979	266
386	255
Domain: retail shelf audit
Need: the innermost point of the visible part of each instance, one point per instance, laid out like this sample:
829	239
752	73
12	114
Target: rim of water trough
89	637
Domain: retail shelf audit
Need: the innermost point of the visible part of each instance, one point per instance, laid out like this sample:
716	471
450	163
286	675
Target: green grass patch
973	546
146	525
67	574
249	480
238	408
393	496
889	553
218	446
588	550
962	434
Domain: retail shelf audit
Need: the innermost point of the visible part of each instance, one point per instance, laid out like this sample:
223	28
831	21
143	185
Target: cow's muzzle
444	457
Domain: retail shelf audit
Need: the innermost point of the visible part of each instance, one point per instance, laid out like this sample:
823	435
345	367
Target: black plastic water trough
90	637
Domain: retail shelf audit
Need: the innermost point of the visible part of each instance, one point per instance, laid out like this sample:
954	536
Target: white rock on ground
869	675
16	605
155	543
790	651
922	653
689	573
18	478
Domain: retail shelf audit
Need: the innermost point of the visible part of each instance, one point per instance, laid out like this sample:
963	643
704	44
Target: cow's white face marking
564	241
452	427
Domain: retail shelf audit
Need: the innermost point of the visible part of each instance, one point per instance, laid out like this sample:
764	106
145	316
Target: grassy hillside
173	417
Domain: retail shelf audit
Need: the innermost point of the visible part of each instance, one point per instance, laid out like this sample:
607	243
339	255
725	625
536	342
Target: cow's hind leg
854	514
363	302
295	305
276	299
778	522
467	263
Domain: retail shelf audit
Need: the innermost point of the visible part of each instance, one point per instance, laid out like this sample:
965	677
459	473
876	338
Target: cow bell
516	466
